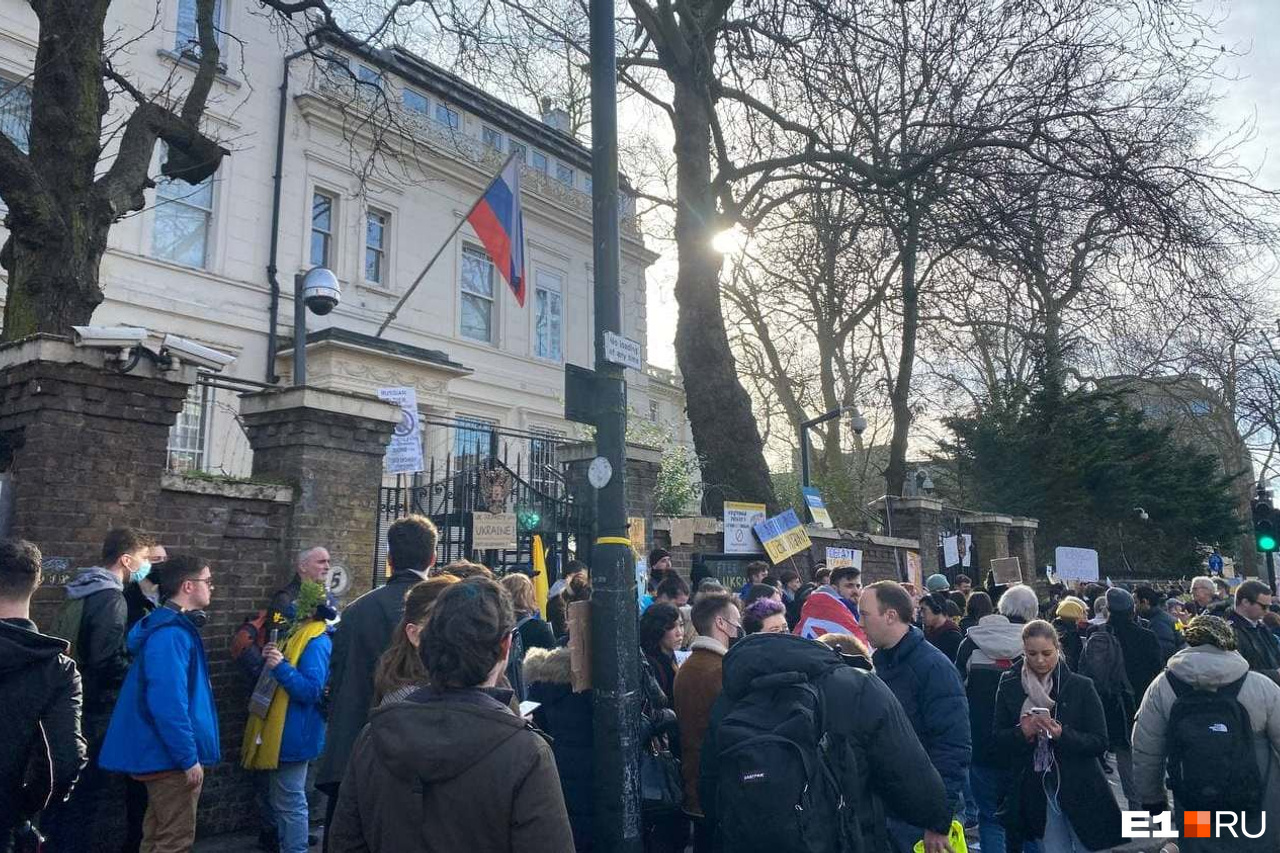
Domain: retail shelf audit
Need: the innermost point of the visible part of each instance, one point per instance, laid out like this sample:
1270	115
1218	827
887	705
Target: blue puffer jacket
303	738
165	717
929	689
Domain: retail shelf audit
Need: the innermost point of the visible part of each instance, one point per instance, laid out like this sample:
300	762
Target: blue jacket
165	717
929	689
303	738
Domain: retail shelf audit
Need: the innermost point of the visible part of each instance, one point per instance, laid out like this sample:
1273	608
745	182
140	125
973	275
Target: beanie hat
1119	600
937	583
1071	609
1206	630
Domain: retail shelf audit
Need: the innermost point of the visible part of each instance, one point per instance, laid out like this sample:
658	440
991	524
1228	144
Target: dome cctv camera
321	291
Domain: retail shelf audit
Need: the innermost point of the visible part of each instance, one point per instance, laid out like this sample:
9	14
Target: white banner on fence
404	453
739	519
1075	564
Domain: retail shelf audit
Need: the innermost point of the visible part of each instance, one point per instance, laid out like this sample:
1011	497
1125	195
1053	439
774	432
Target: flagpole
447	240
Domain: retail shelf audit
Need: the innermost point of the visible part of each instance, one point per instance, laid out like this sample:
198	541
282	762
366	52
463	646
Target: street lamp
856	422
317	289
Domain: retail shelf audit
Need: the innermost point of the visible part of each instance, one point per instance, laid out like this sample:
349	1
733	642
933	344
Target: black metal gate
459	482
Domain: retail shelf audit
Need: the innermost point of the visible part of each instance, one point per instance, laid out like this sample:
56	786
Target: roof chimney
554	117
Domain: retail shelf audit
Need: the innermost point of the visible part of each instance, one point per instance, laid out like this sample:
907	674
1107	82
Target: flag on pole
540	575
499	224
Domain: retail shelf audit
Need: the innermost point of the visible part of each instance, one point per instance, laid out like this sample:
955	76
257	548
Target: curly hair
655	622
463	640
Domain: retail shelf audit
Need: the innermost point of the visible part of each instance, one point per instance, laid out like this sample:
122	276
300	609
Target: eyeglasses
209	581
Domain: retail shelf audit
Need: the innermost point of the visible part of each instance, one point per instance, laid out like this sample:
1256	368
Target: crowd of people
439	712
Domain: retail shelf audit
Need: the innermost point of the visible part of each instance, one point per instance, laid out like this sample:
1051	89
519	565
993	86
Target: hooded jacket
988	651
1209	668
449	771
928	686
42	692
165	719
100	644
566	717
893	771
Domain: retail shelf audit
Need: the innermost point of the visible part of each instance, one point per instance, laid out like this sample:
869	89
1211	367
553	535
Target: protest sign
739	519
783	535
838	557
1007	570
404	453
493	531
1075	564
817	508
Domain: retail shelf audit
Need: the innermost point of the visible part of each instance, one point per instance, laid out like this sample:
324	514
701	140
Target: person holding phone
1051	722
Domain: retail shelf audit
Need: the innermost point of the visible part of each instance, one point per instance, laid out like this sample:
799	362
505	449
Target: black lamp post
856	421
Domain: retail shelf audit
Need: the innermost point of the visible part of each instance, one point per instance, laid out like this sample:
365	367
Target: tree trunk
720	414
53	285
896	474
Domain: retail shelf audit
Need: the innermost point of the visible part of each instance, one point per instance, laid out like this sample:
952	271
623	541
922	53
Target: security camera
108	337
1142	514
320	290
194	353
857	422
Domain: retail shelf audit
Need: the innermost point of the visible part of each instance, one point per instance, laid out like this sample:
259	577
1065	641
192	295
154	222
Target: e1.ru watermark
1194	825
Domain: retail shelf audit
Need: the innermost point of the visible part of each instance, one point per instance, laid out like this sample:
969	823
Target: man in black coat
1142	663
892	770
41	749
1253	639
363	634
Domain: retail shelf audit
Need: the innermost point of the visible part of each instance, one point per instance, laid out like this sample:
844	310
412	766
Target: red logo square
1196	824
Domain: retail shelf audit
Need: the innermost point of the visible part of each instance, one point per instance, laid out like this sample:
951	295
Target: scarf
261	747
1037	690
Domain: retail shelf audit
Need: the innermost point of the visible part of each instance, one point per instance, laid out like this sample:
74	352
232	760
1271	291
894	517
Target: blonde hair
520	588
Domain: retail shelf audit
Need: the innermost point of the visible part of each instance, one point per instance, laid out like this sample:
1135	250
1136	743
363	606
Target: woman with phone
1051	722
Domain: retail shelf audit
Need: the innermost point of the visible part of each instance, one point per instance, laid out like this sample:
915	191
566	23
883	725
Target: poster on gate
783	535
915	575
739	521
404	453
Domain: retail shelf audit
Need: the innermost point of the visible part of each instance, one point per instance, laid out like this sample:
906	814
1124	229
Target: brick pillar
920	519
643	464
83	445
990	542
329	446
1022	544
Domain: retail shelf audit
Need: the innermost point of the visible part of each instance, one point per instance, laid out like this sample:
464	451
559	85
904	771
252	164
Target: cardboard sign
404	453
817	508
636	530
783	535
493	531
914	573
1007	570
739	521
956	550
579	621
1075	564
838	557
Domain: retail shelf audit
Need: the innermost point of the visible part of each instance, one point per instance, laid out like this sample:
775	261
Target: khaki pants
170	824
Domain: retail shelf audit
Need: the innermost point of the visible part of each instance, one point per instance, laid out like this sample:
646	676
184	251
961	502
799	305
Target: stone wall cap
581	450
56	349
227	488
858	537
1024	522
306	397
985	518
346	339
931	504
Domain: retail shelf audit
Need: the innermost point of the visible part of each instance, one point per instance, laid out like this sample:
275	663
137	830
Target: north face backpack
1209	748
1102	660
778	788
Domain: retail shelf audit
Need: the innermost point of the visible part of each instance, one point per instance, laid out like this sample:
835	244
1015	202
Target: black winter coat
101	648
893	771
42	692
363	635
1072	643
1079	781
566	717
1256	645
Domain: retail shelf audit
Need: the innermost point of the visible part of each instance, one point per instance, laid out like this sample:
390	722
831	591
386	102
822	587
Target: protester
697	686
311	564
1151	608
1100	611
534	632
988	651
1068	621
1051	722
566	717
452	761
362	636
41	748
400	670
761	591
577	588
964	585
847	581
850	648
1177	610
93	620
659	564
977	605
939	629
765	616
1204	596
928	687
757	571
674	590
1253	639
292	733
937	582
874	761
660	635
826	609
575	570
164	730
1211	675
140	598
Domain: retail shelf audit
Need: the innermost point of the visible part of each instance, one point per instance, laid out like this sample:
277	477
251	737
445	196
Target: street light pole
615	662
805	426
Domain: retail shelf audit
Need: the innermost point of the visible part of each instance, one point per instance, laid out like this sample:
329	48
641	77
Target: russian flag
499	224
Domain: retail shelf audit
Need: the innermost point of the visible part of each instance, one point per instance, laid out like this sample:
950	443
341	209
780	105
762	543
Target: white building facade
382	155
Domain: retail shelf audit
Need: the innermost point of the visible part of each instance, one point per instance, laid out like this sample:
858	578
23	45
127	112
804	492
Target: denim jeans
289	802
990	784
1059	837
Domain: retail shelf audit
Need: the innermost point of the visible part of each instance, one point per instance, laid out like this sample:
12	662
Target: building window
491	138
519	150
183	216
187	436
15	114
448	117
375	246
655	410
543	447
587	185
564	174
370	75
472	439
188	36
415	102
539	161
321	229
477	295
549	316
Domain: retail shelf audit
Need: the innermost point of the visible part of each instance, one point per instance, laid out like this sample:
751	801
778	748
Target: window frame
407	93
518	148
489	135
469	427
7	113
201	396
369	75
384	250
165	203
557	289
473	250
451	118
331	236
545	167
563	170
190	46
544	442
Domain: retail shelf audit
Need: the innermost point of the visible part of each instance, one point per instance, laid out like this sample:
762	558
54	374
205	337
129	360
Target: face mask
742	632
144	569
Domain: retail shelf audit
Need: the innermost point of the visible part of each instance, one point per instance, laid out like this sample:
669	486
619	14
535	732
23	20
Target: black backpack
1102	660
1209	749
778	776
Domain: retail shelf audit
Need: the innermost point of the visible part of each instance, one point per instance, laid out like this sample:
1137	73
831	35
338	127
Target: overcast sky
1251	27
